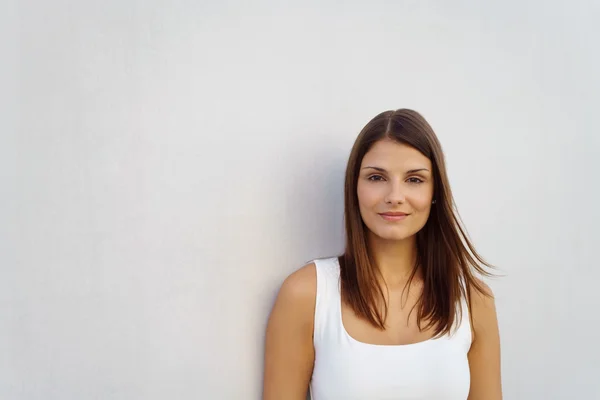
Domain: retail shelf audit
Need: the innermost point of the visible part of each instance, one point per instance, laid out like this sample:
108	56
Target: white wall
165	164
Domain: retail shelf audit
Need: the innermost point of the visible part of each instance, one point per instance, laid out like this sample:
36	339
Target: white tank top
346	369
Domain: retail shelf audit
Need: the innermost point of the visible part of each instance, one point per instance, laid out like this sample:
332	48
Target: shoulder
300	287
295	303
483	308
481	290
289	349
294	308
484	353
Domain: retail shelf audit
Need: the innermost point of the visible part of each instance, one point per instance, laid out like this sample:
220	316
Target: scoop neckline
361	343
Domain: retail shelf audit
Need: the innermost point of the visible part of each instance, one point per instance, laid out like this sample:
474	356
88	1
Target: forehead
392	155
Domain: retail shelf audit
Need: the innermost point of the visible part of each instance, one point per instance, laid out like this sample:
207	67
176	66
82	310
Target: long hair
444	252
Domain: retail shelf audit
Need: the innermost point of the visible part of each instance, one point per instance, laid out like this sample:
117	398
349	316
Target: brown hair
444	252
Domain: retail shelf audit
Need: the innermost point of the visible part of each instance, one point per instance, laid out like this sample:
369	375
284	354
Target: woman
401	314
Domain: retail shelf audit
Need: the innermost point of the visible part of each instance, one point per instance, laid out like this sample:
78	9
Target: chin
386	234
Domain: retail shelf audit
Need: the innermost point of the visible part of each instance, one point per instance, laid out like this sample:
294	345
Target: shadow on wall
313	197
315	201
314	209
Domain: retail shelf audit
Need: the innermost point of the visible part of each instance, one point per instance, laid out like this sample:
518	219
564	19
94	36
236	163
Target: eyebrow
411	171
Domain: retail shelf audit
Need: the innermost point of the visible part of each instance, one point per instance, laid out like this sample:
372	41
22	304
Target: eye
415	180
375	178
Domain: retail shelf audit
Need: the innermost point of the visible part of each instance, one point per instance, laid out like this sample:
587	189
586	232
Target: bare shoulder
483	307
300	287
481	291
484	354
296	300
289	351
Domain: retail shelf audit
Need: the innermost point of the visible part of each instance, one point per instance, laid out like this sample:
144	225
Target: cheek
366	196
422	205
422	201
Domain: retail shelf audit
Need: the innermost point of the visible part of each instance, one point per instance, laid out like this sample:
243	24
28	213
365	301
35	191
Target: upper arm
484	355
289	351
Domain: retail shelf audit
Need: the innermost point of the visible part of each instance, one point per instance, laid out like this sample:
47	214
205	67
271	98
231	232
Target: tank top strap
328	296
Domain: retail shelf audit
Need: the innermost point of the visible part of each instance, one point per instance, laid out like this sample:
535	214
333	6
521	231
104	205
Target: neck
395	259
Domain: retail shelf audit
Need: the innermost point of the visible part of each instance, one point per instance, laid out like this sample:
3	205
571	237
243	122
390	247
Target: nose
396	194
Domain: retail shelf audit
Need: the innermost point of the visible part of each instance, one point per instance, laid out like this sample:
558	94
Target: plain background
165	164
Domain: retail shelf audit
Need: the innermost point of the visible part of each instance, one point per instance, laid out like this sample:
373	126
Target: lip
394	216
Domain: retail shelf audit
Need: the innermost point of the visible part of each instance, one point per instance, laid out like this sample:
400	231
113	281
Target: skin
401	180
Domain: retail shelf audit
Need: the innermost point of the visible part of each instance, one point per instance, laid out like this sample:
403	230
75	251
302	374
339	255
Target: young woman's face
395	178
